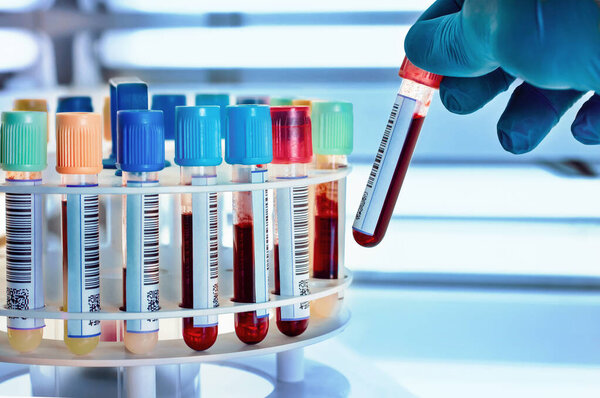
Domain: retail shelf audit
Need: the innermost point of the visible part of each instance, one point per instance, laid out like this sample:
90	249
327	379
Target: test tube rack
140	370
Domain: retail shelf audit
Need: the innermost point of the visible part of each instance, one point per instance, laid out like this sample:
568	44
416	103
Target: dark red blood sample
289	328
394	188
326	247
248	327
201	337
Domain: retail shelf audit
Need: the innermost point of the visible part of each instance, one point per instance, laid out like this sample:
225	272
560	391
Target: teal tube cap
333	131
23	141
220	100
248	139
198	136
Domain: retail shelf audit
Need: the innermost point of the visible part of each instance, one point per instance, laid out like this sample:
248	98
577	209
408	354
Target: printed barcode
213	235
266	201
300	222
383	145
19	238
150	239
91	242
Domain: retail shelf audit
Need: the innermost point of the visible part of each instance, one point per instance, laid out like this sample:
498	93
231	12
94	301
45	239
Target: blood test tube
74	104
140	155
332	142
198	152
167	104
394	154
79	160
292	152
125	94
23	157
249	148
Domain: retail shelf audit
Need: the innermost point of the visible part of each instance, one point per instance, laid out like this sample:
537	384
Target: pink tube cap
292	135
411	72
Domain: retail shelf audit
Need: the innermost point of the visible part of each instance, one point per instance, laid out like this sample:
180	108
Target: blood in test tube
394	154
23	157
292	153
141	155
79	160
248	147
198	152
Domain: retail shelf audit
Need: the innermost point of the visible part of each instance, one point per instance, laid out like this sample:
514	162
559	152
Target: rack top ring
109	184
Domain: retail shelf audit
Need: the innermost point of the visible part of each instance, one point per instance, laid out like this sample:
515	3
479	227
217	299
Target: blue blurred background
488	280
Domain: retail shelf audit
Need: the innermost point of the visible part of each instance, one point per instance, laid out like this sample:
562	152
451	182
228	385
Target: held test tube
198	152
248	147
79	160
23	157
292	153
394	154
140	155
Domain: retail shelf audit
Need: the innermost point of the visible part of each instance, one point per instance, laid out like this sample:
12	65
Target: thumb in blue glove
481	45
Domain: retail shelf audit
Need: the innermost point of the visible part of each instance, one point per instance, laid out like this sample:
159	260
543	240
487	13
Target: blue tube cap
253	99
140	140
167	104
221	100
249	137
198	136
74	104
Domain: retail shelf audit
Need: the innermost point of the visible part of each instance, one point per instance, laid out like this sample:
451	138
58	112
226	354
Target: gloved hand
482	45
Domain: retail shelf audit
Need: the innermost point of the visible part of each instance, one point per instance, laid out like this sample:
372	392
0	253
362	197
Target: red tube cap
411	72
292	136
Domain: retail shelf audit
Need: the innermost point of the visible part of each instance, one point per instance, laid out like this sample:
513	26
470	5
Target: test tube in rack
198	152
79	160
141	155
292	153
332	142
249	148
167	104
23	156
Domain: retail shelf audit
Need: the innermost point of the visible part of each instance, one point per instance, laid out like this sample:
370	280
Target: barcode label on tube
142	275
205	272
24	288
83	263
292	230
260	214
384	165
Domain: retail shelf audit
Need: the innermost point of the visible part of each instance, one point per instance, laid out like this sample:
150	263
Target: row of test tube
255	136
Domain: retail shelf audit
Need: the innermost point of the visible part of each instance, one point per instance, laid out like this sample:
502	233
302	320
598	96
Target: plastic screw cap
30	104
280	101
74	104
126	93
220	100
78	143
167	104
333	127
292	142
23	141
248	139
198	136
416	74
140	140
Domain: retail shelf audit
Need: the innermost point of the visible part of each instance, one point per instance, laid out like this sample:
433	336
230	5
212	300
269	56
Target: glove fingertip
586	127
513	141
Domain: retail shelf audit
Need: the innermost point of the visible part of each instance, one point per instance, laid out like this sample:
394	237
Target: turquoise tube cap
198	136
248	139
23	141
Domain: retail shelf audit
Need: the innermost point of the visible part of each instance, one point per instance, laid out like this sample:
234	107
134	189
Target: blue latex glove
481	45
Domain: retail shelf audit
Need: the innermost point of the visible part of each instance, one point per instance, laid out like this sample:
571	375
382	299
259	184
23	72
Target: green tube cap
332	127
23	141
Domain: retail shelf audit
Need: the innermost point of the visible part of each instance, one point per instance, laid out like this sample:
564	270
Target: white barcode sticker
83	263
384	165
142	257
24	281
205	251
293	260
260	214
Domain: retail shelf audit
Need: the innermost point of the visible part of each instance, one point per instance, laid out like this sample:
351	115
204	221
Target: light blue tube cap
198	136
248	139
